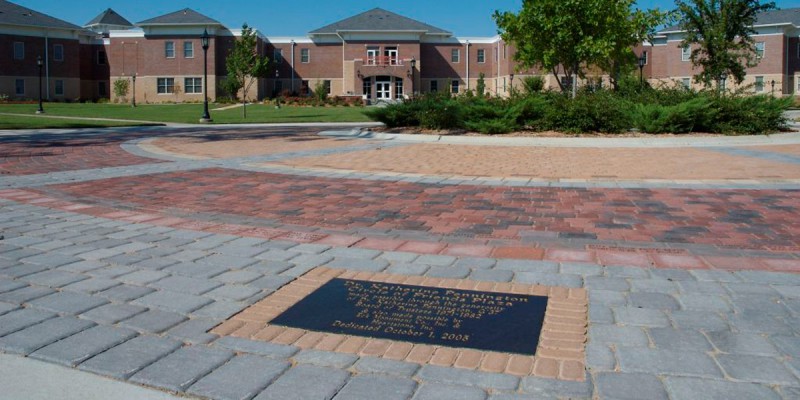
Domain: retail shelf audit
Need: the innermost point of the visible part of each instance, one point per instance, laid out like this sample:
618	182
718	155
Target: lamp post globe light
722	78
39	64
642	62
204	43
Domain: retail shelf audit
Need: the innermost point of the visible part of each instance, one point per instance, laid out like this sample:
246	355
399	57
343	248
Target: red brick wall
35	46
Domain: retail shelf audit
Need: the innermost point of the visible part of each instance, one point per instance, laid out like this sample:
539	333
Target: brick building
25	36
370	54
778	48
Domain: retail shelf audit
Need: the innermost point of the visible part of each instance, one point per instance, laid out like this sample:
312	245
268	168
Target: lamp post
413	83
722	78
206	118
277	93
773	87
642	62
511	84
39	64
133	99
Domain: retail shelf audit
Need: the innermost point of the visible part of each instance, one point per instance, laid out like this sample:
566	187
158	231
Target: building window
166	85
760	47
58	52
193	85
278	56
101	89
390	54
326	84
366	87
687	83
454	87
759	84
455	55
646	57
566	81
398	88
434	86
305	56
169	49
19	87
481	56
19	50
372	55
59	87
686	53
304	88
188	50
101	57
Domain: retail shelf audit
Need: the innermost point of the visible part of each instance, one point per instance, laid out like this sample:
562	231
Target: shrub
736	115
121	87
694	115
533	84
588	112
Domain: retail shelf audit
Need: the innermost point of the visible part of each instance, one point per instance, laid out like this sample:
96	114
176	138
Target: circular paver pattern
123	250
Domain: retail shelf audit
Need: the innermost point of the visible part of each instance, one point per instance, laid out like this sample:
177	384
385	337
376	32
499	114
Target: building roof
379	19
187	16
772	17
13	14
109	17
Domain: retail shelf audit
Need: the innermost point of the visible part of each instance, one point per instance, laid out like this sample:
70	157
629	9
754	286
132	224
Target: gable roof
109	17
13	14
379	19
187	16
773	17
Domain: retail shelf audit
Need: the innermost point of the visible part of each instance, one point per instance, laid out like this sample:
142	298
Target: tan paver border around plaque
560	353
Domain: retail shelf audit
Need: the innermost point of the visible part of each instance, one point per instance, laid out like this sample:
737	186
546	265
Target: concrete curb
726	141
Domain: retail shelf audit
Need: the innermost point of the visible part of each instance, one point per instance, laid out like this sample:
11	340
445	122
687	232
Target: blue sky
297	17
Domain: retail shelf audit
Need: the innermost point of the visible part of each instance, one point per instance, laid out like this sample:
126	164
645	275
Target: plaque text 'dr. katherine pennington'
490	321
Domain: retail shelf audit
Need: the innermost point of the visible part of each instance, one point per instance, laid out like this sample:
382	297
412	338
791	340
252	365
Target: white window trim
166	53
457	54
165	93
479	56
756	82
184	48
308	56
763	50
686	55
186	86
55	53
277	56
14	49
455	86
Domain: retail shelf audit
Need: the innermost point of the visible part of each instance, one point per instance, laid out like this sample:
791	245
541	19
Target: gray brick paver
667	362
371	387
257	347
21	319
485	380
295	384
750	368
742	343
84	345
129	357
112	313
173	301
69	302
630	386
684	388
325	358
372	365
435	391
251	373
37	336
153	321
179	370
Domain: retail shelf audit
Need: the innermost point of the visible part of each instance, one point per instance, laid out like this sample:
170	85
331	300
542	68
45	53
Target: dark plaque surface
502	322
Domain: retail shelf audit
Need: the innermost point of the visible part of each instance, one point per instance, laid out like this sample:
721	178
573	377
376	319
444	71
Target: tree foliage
574	35
720	32
245	65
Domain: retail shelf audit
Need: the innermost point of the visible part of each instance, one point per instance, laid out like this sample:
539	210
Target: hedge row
651	111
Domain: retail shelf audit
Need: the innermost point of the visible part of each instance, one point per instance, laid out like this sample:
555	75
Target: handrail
384	61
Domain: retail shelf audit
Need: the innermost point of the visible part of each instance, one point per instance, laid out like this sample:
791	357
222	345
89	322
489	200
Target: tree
481	87
572	35
121	87
245	66
720	32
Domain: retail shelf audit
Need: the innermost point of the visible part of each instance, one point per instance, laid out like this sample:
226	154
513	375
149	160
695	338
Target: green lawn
42	122
190	113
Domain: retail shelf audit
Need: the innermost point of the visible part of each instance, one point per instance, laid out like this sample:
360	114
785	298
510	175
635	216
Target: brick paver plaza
159	256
